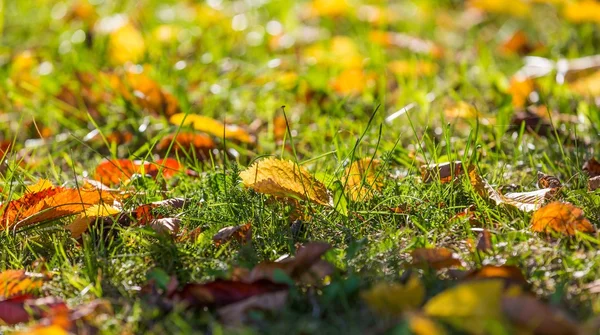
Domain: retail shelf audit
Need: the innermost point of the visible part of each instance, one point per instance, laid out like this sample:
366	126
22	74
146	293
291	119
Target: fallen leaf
236	313
350	82
514	8
509	273
306	267
19	282
362	179
83	221
444	172
594	183
279	128
405	41
197	145
119	170
126	44
140	89
562	218
23	308
41	185
395	298
241	234
469	306
212	127
410	69
534	316
582	11
484	241
592	167
547	181
534	123
436	258
50	204
328	8
283	178
517	43
220	292
461	110
422	325
520	88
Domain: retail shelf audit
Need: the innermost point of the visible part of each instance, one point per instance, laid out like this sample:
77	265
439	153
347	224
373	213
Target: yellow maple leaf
212	127
361	179
126	44
284	178
395	298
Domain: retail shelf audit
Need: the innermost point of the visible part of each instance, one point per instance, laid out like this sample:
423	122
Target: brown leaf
167	226
594	183
362	179
533	315
23	308
236	313
436	258
241	233
220	292
562	218
592	167
283	178
484	241
305	267
517	43
547	181
444	172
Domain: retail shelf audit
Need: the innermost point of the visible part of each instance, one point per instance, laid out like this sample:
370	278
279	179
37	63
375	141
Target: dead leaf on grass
436	258
444	172
283	178
395	298
362	179
531	314
241	234
561	218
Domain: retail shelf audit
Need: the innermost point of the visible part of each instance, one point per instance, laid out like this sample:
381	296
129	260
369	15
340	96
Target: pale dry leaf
594	183
167	226
83	221
283	178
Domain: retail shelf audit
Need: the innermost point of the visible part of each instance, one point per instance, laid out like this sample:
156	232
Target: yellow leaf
422	325
211	126
587	86
395	298
361	179
515	8
284	178
329	8
41	185
126	44
83	221
45	330
409	69
462	110
582	11
469	306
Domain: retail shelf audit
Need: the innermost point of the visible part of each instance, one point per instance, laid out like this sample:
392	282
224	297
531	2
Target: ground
327	124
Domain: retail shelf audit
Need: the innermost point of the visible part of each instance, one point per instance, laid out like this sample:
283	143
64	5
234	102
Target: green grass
229	79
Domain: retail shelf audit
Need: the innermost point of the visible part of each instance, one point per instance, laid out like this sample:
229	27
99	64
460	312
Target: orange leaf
16	282
436	258
184	142
560	217
507	272
519	89
116	171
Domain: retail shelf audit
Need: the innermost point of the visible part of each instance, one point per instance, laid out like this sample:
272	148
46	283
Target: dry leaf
283	178
582	11
436	258
594	183
241	233
592	167
306	267
236	313
484	241
517	43
83	221
23	308
197	145
562	218
469	306
515	8
126	44
547	181
18	282
350	82
519	89
509	273
119	170
412	69
444	172
362	179
220	292
167	226
50	204
423	325
461	110
395	298
531	314
140	89
212	127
